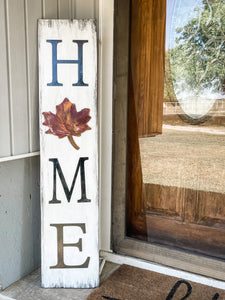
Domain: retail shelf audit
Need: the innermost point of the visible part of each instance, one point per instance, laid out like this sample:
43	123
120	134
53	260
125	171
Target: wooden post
69	153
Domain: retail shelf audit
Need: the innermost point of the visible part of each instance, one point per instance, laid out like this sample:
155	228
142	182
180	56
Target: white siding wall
19	72
19	129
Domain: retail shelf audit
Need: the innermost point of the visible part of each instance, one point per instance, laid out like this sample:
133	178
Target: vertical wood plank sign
69	153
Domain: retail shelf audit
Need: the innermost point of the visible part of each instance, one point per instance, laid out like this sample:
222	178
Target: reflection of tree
198	59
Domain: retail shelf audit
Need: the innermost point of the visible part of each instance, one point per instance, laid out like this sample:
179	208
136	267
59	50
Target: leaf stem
70	138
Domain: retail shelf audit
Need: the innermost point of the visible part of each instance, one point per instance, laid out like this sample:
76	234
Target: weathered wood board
69	153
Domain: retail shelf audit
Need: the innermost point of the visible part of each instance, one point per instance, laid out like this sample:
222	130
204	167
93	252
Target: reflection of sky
195	102
179	13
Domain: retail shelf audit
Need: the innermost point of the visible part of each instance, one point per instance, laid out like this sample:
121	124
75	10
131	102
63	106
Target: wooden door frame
168	256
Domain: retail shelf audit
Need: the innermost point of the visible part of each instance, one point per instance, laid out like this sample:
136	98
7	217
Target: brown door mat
131	283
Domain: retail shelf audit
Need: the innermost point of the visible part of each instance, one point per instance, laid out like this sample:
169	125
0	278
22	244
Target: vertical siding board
9	77
51	9
18	75
28	76
4	94
34	10
73	9
18	57
43	8
85	9
96	9
64	9
96	13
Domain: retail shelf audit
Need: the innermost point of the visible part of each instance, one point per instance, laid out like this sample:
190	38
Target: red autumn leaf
67	121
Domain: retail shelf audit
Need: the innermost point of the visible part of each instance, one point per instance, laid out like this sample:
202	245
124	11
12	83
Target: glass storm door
176	125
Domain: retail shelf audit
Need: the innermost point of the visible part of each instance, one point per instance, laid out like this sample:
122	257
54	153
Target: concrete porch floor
29	288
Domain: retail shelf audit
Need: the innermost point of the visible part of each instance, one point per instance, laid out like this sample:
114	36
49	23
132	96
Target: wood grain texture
181	217
65	264
147	63
154	252
198	225
121	58
191	237
134	172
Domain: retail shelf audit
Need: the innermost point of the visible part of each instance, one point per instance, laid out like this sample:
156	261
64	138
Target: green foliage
197	61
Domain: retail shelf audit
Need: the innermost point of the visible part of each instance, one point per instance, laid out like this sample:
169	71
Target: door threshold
147	265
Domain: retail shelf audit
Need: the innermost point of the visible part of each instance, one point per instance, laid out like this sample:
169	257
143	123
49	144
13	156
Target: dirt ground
189	157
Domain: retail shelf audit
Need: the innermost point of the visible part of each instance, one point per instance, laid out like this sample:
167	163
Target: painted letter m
68	192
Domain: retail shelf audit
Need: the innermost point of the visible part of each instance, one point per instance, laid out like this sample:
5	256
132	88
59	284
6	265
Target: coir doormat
130	283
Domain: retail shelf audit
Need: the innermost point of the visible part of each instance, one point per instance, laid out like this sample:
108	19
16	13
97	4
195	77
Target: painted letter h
56	61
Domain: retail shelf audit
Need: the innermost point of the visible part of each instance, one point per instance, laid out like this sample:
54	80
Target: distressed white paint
68	157
103	12
33	10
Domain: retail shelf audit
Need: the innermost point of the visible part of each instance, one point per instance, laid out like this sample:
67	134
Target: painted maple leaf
67	122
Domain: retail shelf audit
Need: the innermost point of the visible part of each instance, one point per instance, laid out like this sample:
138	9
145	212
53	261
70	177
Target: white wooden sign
69	153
